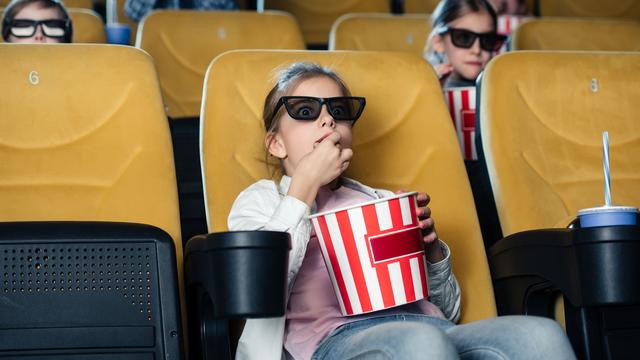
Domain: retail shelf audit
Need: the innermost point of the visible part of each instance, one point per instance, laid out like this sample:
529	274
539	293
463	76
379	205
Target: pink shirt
313	310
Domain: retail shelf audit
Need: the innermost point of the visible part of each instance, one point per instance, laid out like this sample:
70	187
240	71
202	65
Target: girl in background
462	41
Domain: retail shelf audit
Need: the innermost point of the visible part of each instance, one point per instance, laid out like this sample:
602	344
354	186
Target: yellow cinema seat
538	104
420	6
629	9
403	140
317	16
380	32
542	115
577	34
86	149
87	26
183	43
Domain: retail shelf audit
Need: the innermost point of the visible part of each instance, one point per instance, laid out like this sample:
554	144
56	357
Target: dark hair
17	5
450	10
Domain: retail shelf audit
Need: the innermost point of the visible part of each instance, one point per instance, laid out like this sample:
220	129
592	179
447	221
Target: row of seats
96	146
358	31
181	61
317	17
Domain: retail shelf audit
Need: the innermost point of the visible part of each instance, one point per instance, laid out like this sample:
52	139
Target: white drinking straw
112	11
607	174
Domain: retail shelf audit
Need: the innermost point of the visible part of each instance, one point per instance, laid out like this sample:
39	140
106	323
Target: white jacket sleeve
444	290
262	207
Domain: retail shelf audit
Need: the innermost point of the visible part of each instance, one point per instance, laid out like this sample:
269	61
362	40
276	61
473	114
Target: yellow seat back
78	144
629	9
183	43
317	16
380	32
542	115
577	34
87	26
420	6
403	140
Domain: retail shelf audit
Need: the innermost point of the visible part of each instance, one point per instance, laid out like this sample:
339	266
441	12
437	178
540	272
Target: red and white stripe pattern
374	254
462	107
506	25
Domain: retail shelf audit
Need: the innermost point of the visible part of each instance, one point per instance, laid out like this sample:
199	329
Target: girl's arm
262	207
444	290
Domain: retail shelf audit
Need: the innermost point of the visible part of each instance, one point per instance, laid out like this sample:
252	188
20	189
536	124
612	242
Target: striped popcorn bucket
462	107
374	254
506	25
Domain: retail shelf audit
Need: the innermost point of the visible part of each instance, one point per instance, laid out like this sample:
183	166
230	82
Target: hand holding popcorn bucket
462	107
374	253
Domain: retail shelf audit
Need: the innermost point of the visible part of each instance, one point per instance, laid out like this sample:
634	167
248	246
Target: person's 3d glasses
53	28
341	108
489	41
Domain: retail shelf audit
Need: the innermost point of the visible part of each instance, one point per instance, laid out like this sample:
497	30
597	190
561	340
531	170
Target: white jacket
265	206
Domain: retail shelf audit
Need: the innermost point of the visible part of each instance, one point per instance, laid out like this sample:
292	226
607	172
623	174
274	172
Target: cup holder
243	272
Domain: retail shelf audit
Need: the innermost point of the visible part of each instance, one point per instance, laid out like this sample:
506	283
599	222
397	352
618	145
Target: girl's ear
275	145
438	43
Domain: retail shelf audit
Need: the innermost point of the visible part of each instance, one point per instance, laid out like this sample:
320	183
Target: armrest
590	266
233	275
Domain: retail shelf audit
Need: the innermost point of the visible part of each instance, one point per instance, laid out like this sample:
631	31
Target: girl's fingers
427	223
430	237
423	212
423	199
345	165
334	137
346	155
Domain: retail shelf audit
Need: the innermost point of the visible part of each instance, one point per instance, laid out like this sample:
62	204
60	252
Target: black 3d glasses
490	41
53	28
341	108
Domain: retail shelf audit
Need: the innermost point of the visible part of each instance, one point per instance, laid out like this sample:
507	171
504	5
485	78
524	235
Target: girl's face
297	138
35	11
467	63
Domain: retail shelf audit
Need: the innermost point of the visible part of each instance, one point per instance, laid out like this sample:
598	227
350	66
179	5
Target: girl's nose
325	118
475	47
39	35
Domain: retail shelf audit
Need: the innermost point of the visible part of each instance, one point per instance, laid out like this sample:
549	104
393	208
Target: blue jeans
426	337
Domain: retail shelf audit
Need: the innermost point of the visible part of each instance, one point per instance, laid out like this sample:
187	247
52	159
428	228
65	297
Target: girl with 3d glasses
36	21
308	118
462	41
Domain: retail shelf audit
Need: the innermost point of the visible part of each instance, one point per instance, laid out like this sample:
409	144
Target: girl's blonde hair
448	11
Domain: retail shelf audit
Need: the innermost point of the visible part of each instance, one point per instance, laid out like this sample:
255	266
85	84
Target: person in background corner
36	21
137	9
